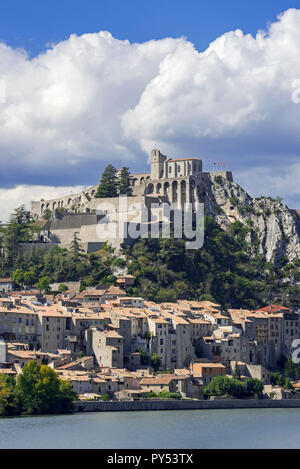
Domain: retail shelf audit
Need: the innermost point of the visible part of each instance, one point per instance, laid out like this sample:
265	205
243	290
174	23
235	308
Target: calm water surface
255	428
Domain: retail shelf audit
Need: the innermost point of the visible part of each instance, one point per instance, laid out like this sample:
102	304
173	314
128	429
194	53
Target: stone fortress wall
176	181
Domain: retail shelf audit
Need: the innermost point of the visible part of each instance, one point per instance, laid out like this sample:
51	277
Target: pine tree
75	248
47	214
108	186
124	182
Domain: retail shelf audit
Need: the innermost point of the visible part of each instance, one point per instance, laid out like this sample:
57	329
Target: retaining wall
118	406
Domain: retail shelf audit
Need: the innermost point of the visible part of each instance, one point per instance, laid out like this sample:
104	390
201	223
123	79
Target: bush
234	201
254	386
155	361
277	379
151	395
218	179
224	386
170	395
163	395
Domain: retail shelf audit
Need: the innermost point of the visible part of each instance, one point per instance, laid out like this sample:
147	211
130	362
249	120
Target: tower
157	164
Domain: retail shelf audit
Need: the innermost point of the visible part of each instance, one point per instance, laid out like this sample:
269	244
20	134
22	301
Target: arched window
174	192
150	189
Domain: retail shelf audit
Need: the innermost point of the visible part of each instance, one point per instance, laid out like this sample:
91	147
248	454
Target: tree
47	214
288	385
30	276
254	386
223	386
124	185
10	403
108	186
237	373
18	276
42	391
62	287
291	369
277	379
144	357
75	247
20	228
155	361
44	284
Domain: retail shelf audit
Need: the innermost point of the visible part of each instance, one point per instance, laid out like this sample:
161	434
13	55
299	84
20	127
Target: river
246	429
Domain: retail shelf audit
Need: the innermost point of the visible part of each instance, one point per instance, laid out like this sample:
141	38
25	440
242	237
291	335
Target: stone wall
153	405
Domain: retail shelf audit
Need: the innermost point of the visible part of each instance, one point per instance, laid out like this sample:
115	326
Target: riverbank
162	405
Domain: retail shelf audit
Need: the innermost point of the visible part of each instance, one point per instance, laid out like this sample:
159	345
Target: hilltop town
107	344
121	319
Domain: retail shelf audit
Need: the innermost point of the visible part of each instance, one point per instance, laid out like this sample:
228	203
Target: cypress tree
124	182
108	186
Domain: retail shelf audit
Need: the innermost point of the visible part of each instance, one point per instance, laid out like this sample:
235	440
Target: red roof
273	309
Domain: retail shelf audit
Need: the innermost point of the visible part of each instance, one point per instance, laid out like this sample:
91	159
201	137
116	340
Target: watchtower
157	164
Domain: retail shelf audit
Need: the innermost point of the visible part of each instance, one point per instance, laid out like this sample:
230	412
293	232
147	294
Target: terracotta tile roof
159	380
273	309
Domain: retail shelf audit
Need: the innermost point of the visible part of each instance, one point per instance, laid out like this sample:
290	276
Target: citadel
172	181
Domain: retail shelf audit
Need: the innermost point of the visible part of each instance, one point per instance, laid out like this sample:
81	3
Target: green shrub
234	201
218	179
224	386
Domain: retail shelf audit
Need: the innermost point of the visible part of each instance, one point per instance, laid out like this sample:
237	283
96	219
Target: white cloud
239	87
23	195
93	99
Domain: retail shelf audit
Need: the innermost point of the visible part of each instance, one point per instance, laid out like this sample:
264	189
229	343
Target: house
125	281
208	371
6	285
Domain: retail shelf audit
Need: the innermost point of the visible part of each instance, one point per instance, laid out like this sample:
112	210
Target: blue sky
33	24
93	82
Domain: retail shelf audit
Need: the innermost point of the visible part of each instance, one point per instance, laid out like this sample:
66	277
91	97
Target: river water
245	428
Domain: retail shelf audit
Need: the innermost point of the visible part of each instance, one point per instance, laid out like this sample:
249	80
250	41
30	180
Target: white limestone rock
276	226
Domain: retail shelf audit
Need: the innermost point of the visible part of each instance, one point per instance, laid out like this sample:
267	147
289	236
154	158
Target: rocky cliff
273	228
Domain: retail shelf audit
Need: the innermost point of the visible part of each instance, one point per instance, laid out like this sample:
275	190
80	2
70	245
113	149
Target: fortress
174	181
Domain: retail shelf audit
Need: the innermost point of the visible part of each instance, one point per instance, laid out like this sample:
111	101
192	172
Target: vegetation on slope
222	270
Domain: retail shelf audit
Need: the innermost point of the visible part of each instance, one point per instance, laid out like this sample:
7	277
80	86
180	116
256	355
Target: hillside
250	255
224	270
274	229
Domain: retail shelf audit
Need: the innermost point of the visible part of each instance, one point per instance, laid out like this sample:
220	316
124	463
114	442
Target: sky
87	83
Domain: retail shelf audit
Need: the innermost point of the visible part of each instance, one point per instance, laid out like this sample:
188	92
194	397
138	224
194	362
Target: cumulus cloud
24	194
94	99
62	113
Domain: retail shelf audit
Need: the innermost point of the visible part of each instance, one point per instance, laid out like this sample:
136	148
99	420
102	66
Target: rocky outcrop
274	229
